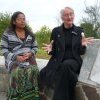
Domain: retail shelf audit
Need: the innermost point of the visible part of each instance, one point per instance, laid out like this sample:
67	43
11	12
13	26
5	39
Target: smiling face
20	21
67	16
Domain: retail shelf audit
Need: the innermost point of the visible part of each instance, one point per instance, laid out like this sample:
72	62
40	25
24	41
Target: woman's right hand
48	47
21	58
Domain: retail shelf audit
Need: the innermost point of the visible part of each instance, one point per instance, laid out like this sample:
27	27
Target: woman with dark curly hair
19	48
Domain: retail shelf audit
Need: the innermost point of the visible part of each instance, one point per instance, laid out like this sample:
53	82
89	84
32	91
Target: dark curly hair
12	26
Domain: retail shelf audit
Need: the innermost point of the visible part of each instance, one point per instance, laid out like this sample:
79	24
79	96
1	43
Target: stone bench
88	86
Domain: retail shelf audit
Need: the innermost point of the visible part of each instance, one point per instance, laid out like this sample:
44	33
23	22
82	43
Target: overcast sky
44	12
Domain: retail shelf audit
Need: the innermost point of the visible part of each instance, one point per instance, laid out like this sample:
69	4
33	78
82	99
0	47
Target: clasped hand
25	56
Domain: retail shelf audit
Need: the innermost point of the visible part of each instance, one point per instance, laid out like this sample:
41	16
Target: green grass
42	54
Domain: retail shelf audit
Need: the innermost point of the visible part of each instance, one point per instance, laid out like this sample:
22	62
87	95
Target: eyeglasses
68	15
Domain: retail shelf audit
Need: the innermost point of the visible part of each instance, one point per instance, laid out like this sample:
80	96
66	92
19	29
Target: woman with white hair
67	45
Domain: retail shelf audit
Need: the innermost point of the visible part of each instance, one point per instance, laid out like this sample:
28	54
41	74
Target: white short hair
62	11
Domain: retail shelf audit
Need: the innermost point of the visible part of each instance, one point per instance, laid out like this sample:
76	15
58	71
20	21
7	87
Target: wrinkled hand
48	47
86	41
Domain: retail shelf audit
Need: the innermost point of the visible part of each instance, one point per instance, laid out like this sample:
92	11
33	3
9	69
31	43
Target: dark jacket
59	46
58	51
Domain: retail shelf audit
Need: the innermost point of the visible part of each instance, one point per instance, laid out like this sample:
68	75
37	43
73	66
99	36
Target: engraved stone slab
90	70
95	73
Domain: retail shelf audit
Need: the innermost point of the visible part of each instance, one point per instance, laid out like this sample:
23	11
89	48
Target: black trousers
66	79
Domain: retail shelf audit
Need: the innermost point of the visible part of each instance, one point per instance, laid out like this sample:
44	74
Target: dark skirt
63	79
23	84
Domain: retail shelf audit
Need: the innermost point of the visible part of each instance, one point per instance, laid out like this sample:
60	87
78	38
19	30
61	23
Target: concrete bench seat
88	86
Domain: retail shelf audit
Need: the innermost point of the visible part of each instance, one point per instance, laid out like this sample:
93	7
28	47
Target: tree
93	19
4	22
43	35
88	28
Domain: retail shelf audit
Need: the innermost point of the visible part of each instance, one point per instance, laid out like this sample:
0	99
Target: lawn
42	54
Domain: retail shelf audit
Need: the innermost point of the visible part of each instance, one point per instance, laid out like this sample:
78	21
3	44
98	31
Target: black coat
58	52
59	46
